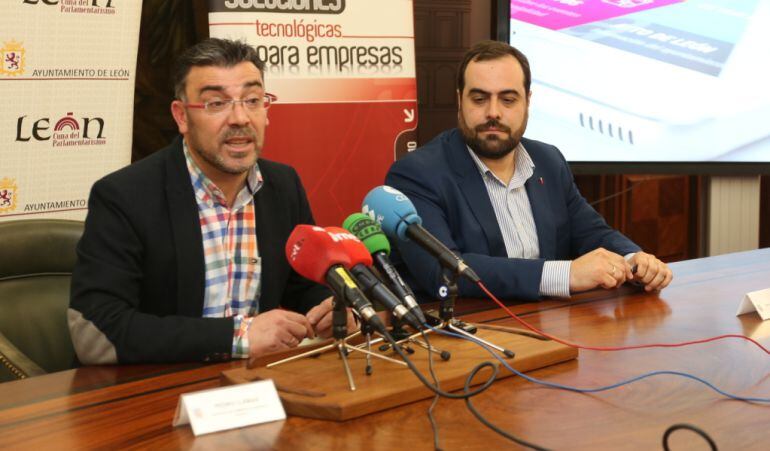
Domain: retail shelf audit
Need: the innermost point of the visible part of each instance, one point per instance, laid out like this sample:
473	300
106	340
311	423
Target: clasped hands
606	269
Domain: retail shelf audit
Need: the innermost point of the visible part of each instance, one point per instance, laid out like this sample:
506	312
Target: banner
67	84
344	75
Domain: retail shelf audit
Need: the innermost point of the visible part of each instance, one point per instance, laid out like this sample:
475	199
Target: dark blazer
445	185
138	285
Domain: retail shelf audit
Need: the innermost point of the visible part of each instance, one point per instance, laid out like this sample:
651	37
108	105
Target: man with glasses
182	257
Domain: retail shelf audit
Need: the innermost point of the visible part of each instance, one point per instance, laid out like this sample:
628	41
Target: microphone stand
448	294
401	337
447	305
339	332
366	329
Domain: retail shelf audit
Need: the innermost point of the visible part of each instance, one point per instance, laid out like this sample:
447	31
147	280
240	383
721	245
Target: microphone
398	218
314	254
370	233
360	261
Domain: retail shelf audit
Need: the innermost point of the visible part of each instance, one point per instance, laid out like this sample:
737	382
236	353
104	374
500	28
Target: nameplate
230	407
758	301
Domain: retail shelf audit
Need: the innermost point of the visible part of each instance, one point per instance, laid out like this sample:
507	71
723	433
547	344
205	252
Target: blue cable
598	389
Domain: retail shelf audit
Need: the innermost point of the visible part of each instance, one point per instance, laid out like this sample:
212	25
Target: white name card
758	301
230	407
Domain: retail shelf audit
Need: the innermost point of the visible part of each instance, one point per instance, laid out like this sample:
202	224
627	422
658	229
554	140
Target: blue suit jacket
447	189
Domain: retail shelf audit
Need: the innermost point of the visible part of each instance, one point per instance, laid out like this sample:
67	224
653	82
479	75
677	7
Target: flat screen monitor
648	85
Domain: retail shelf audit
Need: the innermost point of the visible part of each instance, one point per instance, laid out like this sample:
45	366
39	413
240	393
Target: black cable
434	424
488	424
675	427
431	418
468	403
437	390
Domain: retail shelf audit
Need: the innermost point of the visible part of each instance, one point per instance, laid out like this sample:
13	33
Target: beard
491	147
217	160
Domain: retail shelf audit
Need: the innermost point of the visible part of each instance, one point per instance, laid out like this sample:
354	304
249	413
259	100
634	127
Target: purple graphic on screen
559	14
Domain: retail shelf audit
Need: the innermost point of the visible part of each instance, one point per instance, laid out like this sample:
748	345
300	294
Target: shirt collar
521	173
208	192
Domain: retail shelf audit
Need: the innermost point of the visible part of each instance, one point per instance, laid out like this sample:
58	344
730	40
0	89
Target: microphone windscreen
392	210
356	251
311	251
368	231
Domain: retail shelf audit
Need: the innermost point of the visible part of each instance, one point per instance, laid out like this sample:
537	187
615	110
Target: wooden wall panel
658	212
442	35
167	28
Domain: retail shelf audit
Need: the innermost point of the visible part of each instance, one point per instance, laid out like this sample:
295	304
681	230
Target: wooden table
132	406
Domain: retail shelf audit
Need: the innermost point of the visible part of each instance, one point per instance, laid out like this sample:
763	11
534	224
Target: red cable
613	348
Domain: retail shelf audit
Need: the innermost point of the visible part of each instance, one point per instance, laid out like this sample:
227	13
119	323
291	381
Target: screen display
648	80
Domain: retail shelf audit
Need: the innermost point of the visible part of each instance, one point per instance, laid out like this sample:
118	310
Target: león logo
7	195
67	131
13	59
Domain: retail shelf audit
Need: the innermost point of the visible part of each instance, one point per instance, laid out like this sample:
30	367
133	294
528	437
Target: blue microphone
399	219
392	210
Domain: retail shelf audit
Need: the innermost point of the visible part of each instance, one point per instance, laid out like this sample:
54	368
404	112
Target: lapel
186	233
472	188
270	249
538	200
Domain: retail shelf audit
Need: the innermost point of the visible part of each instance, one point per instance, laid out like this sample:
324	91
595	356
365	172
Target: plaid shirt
233	266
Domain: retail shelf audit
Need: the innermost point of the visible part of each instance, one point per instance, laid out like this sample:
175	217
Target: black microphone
370	233
360	260
343	285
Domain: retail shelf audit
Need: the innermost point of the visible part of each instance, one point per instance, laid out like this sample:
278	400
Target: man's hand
277	330
320	317
598	268
653	273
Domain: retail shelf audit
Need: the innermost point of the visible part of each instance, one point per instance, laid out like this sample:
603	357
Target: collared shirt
517	224
233	265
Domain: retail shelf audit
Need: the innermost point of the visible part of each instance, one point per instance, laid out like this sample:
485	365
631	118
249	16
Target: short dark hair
213	52
492	50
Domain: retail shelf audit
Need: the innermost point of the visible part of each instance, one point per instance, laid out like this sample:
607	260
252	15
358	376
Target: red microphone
360	260
311	252
318	256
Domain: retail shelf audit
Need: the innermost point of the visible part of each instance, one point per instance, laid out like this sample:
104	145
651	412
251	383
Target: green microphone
370	233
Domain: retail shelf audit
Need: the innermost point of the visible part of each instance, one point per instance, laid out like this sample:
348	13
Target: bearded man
509	205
